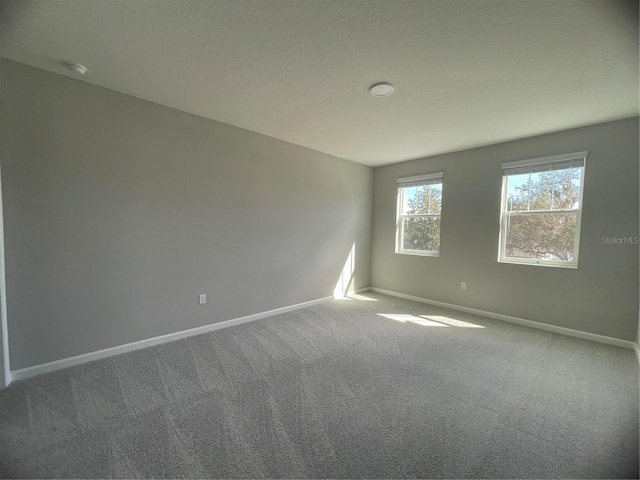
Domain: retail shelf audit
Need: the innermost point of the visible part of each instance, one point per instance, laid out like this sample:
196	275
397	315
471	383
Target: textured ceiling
467	73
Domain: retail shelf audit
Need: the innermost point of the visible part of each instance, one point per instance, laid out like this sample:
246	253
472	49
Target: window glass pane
545	190
426	199
518	192
566	188
541	236
540	191
421	233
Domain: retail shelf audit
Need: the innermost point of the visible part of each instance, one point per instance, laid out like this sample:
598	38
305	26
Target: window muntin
418	218
541	210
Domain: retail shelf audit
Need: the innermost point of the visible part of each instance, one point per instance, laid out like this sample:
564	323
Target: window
418	220
541	210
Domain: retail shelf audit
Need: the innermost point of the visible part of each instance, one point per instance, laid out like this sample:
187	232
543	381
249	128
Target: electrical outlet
202	298
463	286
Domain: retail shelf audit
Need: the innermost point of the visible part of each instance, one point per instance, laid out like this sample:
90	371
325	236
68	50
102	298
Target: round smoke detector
381	89
76	68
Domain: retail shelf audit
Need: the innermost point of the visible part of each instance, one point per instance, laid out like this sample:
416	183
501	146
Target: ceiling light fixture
76	67
381	89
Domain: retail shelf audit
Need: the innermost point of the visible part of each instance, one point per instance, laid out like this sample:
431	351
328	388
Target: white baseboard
520	321
108	352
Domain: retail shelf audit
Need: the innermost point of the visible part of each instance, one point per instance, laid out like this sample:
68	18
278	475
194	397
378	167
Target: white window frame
402	183
504	214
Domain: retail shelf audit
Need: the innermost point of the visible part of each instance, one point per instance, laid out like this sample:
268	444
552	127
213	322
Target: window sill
573	266
418	253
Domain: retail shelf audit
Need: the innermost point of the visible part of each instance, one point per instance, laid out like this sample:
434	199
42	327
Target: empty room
319	239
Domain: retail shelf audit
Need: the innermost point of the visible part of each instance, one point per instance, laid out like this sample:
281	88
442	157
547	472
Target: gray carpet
335	391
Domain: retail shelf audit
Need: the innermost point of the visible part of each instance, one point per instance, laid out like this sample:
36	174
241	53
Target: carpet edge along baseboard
39	369
519	321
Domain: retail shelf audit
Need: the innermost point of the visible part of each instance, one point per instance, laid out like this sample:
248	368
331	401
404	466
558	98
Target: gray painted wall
3	380
119	212
5	374
600	297
3	377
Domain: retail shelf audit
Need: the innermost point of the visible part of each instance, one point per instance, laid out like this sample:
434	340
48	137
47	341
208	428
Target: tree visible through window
542	205
419	208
